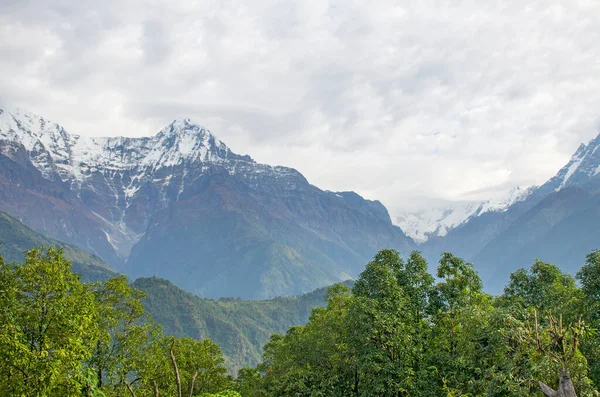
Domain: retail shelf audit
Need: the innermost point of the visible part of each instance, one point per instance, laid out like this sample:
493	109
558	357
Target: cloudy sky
402	101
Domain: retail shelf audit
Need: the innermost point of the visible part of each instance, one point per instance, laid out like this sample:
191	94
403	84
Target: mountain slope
437	221
583	169
241	328
181	205
554	223
539	233
16	238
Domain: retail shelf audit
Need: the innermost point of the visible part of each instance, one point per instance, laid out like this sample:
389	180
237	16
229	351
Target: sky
408	102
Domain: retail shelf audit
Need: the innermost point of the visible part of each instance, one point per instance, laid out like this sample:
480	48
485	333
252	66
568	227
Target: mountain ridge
232	224
438	221
543	225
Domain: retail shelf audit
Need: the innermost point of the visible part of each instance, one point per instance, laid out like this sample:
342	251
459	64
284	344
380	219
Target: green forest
62	337
398	331
240	327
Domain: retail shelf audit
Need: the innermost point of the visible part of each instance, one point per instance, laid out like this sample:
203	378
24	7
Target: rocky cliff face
183	206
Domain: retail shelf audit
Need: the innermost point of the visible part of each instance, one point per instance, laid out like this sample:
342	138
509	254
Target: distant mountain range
182	206
557	222
438	220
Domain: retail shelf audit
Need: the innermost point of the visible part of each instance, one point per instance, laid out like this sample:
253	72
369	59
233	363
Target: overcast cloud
402	101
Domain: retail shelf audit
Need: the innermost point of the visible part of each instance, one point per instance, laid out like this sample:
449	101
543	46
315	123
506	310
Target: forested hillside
16	238
240	327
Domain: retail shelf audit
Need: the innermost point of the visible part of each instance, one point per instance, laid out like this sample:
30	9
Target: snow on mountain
439	220
181	205
76	157
581	170
435	221
124	179
583	165
502	203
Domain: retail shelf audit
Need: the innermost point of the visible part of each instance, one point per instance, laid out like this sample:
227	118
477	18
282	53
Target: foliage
62	337
397	332
240	327
400	333
48	326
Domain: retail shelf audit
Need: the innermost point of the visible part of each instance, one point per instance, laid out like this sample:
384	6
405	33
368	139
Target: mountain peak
186	125
185	140
583	165
437	221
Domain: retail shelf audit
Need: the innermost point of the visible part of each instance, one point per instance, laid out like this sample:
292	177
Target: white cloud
406	102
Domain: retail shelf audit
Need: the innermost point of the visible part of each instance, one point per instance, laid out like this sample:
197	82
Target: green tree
311	360
545	288
199	366
249	383
385	324
525	318
589	277
459	344
124	334
48	327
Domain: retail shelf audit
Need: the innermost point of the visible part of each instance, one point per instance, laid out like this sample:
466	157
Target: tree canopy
399	332
61	337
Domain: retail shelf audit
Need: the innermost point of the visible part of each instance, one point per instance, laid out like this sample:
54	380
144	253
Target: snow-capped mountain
557	222
124	171
183	206
74	159
439	220
583	168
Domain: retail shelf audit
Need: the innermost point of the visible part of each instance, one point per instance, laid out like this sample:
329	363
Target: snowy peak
183	141
583	165
31	129
73	158
123	180
582	169
437	221
502	203
47	143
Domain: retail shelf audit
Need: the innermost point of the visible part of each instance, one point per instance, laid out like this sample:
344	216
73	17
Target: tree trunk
99	372
565	388
192	383
177	378
99	376
130	389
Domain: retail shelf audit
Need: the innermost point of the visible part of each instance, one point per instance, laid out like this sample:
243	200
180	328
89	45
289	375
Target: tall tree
589	277
460	318
383	328
124	333
51	327
199	366
546	288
